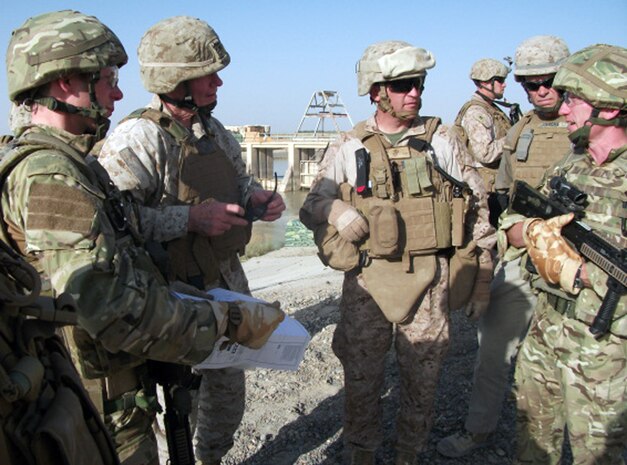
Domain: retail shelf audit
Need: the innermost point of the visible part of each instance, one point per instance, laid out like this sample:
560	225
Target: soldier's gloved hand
480	297
348	221
553	257
249	323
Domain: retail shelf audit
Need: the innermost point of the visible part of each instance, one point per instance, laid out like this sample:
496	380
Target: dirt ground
296	417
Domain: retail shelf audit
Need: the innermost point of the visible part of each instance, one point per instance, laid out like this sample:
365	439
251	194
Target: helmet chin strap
95	111
385	105
581	137
187	102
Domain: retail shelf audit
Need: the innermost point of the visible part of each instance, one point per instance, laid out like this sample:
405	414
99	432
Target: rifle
174	379
566	198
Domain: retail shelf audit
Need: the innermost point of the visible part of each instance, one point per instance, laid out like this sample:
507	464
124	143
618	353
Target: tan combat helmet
389	61
178	49
539	55
487	69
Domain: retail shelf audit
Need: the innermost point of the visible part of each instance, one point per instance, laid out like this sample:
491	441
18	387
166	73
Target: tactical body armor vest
408	198
414	212
205	173
121	369
536	145
502	124
46	416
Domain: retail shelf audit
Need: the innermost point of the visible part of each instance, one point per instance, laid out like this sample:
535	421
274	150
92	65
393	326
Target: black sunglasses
255	213
535	85
499	79
402	86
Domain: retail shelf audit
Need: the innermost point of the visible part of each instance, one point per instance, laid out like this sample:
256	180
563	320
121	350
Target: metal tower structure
325	105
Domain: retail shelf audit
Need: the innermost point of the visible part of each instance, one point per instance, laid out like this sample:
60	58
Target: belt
560	305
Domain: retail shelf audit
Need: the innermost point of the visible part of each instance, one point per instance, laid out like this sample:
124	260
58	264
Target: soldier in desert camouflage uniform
566	377
483	125
60	209
175	156
536	142
397	269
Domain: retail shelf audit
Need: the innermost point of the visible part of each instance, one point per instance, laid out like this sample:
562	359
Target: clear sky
283	51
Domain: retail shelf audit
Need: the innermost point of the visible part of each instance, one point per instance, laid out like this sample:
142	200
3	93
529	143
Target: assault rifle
176	381
566	198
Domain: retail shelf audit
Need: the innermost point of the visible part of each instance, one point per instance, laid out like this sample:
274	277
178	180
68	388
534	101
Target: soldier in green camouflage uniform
177	158
565	376
60	209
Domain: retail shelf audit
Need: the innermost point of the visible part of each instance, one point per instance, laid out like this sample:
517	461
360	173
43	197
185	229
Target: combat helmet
178	49
539	55
389	61
56	44
597	74
487	68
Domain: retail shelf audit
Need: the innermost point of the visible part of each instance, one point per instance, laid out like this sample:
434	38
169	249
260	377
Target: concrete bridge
303	153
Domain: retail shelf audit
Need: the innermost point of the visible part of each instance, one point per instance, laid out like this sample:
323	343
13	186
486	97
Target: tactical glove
554	259
248	323
480	297
348	221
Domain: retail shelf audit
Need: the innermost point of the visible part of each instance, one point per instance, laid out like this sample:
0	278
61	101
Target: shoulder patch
57	207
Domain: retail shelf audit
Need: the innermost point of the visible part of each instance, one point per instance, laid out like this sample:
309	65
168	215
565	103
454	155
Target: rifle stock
178	406
528	202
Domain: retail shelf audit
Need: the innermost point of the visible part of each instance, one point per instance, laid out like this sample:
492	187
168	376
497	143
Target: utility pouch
457	220
463	268
384	235
335	251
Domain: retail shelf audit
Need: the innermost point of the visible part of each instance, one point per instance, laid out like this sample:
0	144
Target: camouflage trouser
221	402
500	331
565	377
133	436
361	342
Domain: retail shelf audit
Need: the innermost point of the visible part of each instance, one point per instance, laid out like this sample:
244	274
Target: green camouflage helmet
55	44
178	49
598	74
540	55
389	61
487	68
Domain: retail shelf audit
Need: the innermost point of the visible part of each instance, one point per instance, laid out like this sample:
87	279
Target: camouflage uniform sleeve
337	166
447	145
479	127
141	158
122	301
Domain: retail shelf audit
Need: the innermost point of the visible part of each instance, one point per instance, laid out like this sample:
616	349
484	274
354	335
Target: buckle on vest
560	305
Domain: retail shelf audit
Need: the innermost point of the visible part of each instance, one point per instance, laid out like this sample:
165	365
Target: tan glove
248	323
480	297
348	221
555	260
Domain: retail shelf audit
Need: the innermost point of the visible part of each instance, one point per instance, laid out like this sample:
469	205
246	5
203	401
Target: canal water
271	236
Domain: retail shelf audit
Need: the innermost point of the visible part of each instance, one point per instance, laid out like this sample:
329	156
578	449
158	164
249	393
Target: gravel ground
296	418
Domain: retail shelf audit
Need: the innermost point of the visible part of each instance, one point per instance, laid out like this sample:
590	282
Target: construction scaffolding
325	105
